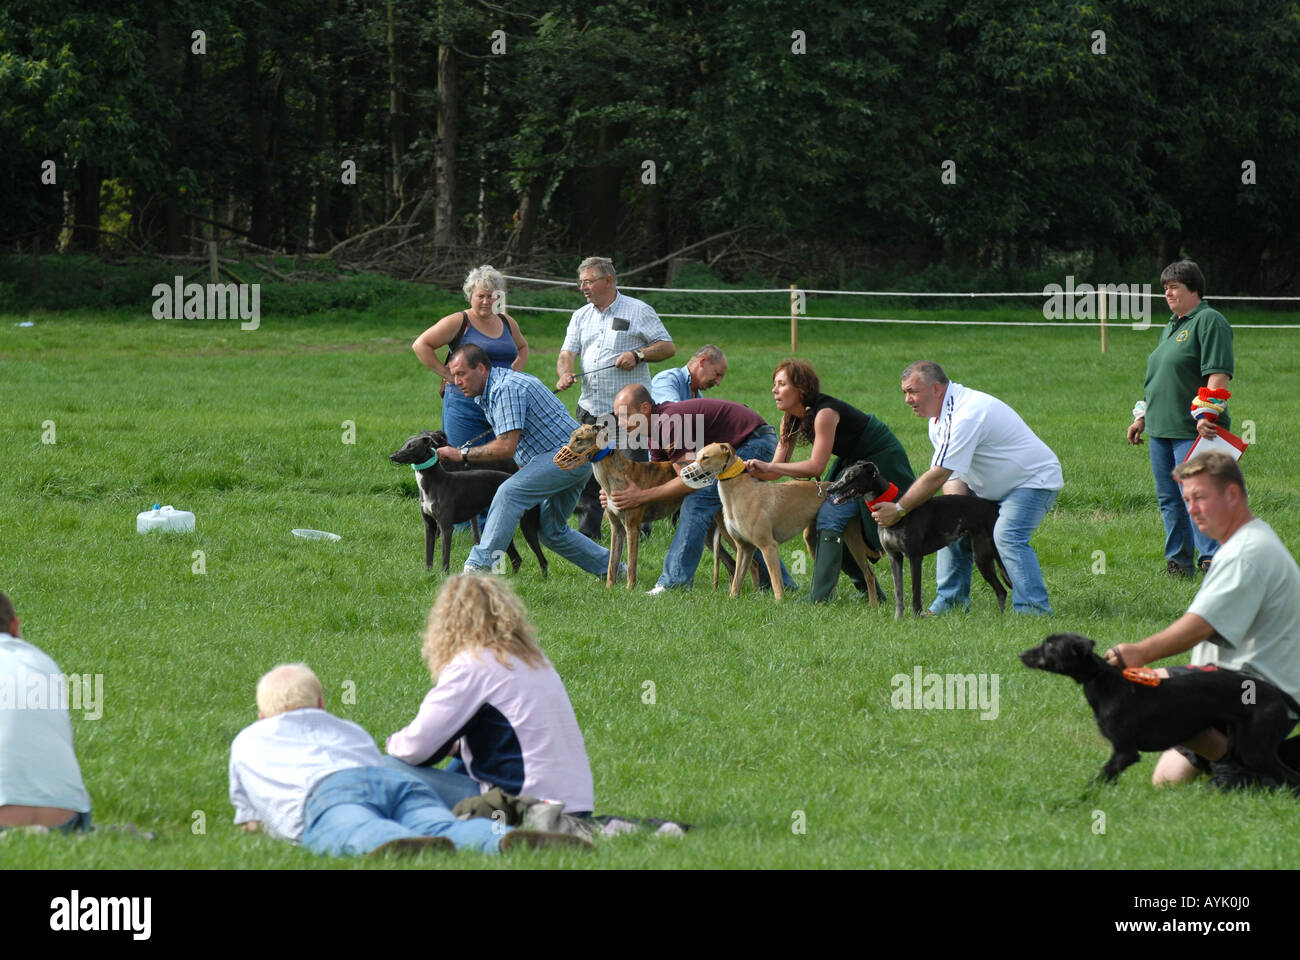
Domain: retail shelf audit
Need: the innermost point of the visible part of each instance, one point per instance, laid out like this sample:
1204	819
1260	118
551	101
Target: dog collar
887	497
735	470
603	454
427	464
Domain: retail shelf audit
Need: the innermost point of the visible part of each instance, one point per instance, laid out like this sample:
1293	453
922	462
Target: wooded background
529	146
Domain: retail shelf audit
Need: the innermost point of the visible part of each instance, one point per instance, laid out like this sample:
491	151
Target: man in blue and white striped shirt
530	426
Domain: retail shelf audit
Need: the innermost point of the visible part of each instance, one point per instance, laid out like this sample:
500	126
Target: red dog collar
887	496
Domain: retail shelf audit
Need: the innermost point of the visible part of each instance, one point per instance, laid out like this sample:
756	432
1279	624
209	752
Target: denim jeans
1181	535
358	809
836	516
701	506
540	481
1019	514
451	784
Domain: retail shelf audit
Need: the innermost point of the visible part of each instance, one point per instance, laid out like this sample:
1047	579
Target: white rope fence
1100	295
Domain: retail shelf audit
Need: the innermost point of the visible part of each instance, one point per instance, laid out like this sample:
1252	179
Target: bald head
290	686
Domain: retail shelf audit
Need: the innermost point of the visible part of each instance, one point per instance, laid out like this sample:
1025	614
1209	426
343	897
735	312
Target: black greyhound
927	529
449	497
1135	715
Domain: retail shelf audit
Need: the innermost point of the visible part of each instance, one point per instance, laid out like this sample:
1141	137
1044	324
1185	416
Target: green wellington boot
826	568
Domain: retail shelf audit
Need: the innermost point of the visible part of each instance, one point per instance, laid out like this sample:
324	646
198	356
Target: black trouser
588	510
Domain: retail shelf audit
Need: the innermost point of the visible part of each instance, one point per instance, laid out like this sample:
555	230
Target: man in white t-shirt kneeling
981	447
1246	616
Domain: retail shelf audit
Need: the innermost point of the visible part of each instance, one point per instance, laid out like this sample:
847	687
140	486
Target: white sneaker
657	589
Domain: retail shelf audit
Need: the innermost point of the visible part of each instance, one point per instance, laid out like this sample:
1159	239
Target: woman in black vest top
832	427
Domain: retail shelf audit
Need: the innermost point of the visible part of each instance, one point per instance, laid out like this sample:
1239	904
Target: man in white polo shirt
981	446
1246	616
40	781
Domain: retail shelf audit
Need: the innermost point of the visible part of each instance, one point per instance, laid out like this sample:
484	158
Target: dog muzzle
695	476
566	459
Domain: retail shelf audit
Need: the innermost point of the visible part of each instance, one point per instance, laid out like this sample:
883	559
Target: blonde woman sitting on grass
498	706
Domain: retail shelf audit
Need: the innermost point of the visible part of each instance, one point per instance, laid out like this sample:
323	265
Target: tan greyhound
761	515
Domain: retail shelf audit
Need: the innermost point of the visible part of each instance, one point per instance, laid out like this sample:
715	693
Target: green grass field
770	729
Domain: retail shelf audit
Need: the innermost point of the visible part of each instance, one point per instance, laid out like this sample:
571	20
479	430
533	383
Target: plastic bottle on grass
166	518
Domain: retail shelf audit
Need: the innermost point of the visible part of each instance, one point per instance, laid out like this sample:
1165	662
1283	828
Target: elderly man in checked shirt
530	425
617	337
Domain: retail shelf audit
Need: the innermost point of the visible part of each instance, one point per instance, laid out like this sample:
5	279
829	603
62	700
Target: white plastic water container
166	518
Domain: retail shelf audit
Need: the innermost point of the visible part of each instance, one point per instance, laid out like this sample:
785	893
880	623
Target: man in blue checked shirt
530	426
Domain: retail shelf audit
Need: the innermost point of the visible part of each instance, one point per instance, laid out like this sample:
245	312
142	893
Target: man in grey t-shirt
1246	616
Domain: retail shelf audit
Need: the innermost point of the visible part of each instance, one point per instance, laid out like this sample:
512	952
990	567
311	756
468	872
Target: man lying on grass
1246	616
305	775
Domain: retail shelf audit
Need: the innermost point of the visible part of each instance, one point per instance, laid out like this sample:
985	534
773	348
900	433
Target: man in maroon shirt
674	432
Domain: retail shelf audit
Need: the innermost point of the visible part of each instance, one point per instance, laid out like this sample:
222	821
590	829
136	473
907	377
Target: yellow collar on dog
735	470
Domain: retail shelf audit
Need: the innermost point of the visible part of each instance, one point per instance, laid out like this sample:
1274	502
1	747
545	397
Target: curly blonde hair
474	612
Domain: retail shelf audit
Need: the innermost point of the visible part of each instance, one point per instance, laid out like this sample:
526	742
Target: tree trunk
530	201
444	222
85	208
260	219
396	131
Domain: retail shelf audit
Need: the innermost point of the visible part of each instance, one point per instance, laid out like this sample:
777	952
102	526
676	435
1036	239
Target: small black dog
927	529
1134	716
451	497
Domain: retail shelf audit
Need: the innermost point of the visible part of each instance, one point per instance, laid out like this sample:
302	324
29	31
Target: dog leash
586	373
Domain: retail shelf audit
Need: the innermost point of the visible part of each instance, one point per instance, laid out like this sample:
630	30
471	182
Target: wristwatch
640	355
464	453
902	511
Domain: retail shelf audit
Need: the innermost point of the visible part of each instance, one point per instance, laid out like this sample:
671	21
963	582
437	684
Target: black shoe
1204	564
1175	569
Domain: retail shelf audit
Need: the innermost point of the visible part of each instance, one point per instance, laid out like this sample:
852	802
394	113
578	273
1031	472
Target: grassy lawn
770	727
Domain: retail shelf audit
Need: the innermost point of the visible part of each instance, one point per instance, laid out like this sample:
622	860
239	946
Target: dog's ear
1075	642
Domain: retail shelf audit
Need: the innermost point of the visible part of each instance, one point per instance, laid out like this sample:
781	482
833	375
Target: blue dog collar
427	464
604	453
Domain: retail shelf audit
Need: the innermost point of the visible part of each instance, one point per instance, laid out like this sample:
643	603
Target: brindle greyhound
613	471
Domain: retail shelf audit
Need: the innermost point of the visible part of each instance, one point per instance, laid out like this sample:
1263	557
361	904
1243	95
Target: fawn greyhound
761	515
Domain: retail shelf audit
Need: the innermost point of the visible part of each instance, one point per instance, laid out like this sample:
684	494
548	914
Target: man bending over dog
1246	616
722	421
530	425
981	446
704	370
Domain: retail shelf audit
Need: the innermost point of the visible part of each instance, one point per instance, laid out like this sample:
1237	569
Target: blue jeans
358	809
540	481
836	516
451	784
1019	514
1181	535
701	506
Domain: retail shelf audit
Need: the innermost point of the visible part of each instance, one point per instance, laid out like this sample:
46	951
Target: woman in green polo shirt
833	427
1195	350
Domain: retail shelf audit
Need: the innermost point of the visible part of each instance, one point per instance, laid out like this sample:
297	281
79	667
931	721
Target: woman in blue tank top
496	333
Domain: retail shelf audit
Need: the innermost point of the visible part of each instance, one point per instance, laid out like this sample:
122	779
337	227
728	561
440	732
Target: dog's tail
997	558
